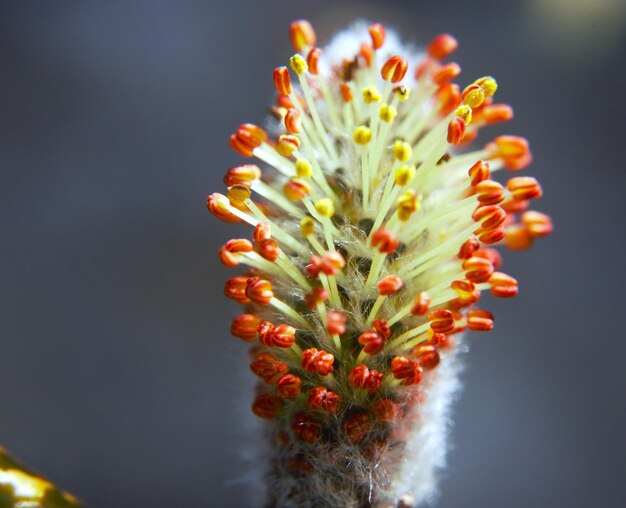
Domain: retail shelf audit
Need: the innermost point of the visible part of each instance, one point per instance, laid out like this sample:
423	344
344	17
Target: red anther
389	285
441	320
319	362
240	147
287	144
282	81
283	101
336	322
517	237
380	325
245	326
333	262
496	113
235	288
407	369
515	206
427	356
447	73
315	297
377	33
466	291
524	187
293	122
259	290
489	216
538	224
468	248
288	386
358	375
296	189
479	320
346	92
266	406
491	254
491	236
442	46
372	342
314	267
302	34
219	205
321	399
264	332
367	53
357	426
238	245
420	304
394	69
503	285
313	59
435	339
373	381
250	134
456	130
479	172
448	97
385	241
489	192
242	175
283	336
386	410
262	231
477	269
513	150
269	249
269	368
305	428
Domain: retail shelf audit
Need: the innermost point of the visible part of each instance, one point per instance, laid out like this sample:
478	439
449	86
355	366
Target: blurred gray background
119	379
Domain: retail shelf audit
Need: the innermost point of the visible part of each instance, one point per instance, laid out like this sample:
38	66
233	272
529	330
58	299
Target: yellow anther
237	194
408	203
465	112
307	226
362	135
371	94
387	113
287	144
298	64
402	92
488	84
404	174
303	168
325	207
473	95
402	151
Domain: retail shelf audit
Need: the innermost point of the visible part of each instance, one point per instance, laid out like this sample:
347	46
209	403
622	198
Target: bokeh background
118	377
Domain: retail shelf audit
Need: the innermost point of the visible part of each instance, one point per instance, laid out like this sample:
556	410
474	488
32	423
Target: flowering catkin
372	242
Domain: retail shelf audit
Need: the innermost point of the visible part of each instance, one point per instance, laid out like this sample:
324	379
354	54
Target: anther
468	248
362	135
488	84
268	368
421	303
473	95
287	144
320	399
262	231
298	64
448	97
316	297
296	189
318	362
346	92
365	379
394	69
305	428
288	386
377	33
269	249
235	289
357	426
503	285
389	285
303	168
385	241
259	290
513	150
524	187
371	94
427	356
387	113
312	60
325	207
479	320
489	216
489	192
245	326
491	254
404	175
496	113
402	92
441	320
406	369
219	205
242	175
477	269
537	223
456	130
442	46
447	73
402	151
266	406
293	122
336	322
367	54
302	34
282	81
307	227
228	253
479	172
409	202
386	410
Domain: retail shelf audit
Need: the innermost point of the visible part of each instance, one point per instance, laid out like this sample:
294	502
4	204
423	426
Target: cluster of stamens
373	237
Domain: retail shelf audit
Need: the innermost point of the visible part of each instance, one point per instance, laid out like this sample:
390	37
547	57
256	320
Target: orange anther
317	296
538	224
524	187
515	206
312	60
442	46
264	331
479	320
479	172
427	356
262	231
372	342
235	288
293	122
305	428
489	192
319	362
389	285
219	205
282	81
302	34
380	325
503	285
259	290
448	97
367	53
385	241
377	33
346	92
477	269
366	379
268	368
266	406
269	249
283	336
296	189
491	236
245	326
456	130
242	175
489	216
491	254
513	150
468	295
322	399
394	69
386	410
287	144
336	322
447	73
495	113
517	237
288	386
407	369
441	320
357	426
468	248
420	304
228	253
330	263
251	134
